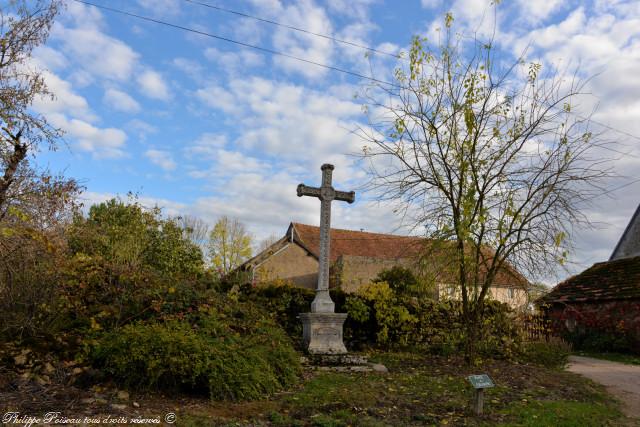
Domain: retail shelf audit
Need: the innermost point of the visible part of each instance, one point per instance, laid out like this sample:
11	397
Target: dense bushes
552	353
436	326
404	282
381	317
129	238
283	303
154	319
227	349
30	305
125	290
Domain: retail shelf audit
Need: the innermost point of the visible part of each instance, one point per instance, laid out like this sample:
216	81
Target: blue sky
207	128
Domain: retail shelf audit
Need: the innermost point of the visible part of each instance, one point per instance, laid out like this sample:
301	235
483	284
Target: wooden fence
536	327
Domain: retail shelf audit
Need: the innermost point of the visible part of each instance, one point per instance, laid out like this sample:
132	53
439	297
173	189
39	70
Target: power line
291	27
308	61
263	49
623	132
367	48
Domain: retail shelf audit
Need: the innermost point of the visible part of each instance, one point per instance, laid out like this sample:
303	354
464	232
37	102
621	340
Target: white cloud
100	142
534	12
120	101
357	9
233	61
431	4
206	146
217	97
103	56
161	8
47	57
82	15
66	100
291	125
227	163
248	30
152	85
142	128
189	67
161	158
169	208
304	14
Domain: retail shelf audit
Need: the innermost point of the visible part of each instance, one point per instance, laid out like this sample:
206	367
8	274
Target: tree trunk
14	160
472	335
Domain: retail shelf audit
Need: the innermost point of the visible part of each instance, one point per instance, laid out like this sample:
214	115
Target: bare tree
194	229
24	25
488	159
264	244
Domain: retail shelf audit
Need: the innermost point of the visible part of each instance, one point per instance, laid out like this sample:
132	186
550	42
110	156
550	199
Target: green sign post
479	383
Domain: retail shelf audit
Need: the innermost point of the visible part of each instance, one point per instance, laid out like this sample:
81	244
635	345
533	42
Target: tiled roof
390	246
359	243
611	280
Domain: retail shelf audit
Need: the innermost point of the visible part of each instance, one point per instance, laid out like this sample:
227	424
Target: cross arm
346	196
304	190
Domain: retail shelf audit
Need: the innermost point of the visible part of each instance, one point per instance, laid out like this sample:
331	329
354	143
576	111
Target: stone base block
341	363
322	332
335	360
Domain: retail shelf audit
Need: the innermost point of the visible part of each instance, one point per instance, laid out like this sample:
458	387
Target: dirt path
623	381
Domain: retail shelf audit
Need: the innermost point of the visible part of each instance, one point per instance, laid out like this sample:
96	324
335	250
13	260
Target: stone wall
351	272
516	298
291	263
613	317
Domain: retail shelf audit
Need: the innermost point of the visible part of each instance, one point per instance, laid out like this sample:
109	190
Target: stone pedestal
322	332
322	302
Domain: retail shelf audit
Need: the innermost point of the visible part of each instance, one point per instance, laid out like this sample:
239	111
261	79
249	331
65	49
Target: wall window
512	293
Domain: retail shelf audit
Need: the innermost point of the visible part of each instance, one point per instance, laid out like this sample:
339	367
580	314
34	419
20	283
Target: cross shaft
322	302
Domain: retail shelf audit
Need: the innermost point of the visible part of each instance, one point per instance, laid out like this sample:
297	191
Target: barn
600	307
357	257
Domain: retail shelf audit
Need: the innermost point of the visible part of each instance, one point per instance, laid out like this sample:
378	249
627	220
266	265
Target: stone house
605	298
357	257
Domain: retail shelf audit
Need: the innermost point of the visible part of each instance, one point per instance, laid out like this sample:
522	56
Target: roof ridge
362	232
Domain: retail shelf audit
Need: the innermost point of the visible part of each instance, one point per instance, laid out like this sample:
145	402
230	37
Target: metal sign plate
480	381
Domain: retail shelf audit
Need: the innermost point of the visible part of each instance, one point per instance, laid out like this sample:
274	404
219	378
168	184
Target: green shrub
99	295
401	280
282	301
553	353
130	238
382	317
126	263
388	319
228	350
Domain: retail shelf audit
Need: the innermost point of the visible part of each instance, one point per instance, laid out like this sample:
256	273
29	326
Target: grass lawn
629	359
417	390
423	390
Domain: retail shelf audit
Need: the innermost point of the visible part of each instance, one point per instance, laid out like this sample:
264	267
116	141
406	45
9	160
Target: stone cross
326	193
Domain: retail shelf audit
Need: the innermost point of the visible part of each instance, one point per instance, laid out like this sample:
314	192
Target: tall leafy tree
229	245
133	238
488	158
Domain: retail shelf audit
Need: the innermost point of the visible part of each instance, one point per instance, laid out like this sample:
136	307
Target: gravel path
623	381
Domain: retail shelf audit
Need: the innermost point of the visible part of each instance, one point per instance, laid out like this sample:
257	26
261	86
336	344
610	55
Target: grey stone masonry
322	328
322	332
326	193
